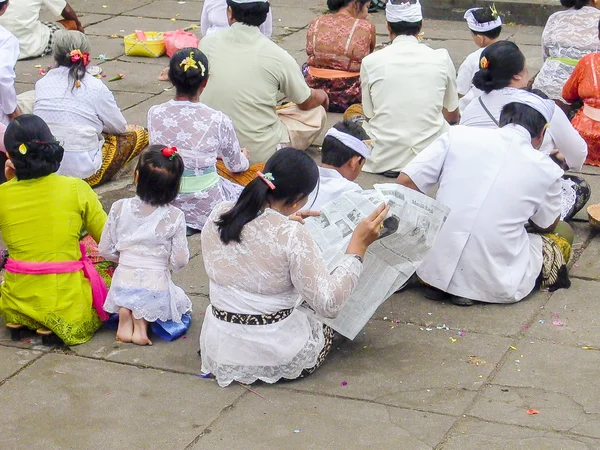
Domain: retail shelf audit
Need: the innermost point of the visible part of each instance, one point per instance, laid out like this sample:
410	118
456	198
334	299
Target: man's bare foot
164	75
140	332
125	330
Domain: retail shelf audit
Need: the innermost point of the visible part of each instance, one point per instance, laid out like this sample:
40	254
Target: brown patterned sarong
118	150
242	178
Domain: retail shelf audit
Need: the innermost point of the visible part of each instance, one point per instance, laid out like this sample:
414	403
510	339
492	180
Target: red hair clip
267	179
169	152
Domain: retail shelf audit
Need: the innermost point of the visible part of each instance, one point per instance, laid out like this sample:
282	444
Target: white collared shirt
561	135
331	185
214	18
404	88
493	181
9	53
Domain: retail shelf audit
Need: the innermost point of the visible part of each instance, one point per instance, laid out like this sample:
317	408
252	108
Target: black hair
253	14
504	60
159	176
295	176
336	5
577	4
524	115
187	82
406	28
33	150
336	154
484	15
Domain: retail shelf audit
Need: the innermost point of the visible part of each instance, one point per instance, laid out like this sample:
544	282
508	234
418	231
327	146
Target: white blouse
201	135
9	53
77	117
568	34
146	241
464	79
276	263
331	185
214	18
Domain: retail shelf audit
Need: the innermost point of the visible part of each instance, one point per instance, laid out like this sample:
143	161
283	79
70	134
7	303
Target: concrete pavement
422	375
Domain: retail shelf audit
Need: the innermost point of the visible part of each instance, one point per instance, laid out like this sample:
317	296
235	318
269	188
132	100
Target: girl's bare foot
164	75
140	332
125	330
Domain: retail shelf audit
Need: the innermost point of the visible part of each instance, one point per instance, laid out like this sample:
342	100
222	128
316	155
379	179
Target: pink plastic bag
178	39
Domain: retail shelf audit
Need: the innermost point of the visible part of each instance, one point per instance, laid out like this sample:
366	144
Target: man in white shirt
408	92
9	54
35	37
495	182
343	154
247	72
214	18
485	25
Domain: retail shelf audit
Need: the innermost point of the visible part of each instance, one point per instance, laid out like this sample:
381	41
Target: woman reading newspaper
258	262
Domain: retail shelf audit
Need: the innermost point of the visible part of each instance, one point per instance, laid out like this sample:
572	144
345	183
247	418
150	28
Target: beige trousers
303	126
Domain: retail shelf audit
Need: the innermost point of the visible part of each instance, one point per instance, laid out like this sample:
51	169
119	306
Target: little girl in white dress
146	235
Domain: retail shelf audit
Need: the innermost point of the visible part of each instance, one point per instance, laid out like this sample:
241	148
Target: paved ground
422	375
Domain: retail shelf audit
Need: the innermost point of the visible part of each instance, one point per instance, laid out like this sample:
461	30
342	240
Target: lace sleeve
180	254
230	150
108	243
325	292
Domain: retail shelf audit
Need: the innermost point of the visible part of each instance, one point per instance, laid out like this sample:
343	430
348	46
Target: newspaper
410	229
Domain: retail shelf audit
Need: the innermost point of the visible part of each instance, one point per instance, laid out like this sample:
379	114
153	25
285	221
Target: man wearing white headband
485	25
214	18
247	72
343	155
408	92
495	181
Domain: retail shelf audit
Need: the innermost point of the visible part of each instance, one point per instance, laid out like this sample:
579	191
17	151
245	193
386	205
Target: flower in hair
484	63
494	11
22	149
191	63
169	152
77	55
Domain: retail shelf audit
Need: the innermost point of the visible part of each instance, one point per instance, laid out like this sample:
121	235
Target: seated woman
568	36
583	85
336	45
83	115
503	71
46	282
259	262
205	139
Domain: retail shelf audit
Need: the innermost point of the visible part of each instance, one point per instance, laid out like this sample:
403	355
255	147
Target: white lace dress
276	262
568	34
145	240
201	135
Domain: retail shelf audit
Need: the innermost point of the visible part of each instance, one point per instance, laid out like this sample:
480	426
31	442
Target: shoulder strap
487	111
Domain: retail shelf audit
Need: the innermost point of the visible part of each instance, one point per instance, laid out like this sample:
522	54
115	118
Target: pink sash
99	289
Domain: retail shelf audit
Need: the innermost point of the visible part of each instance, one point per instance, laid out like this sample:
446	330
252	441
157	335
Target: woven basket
594	215
153	47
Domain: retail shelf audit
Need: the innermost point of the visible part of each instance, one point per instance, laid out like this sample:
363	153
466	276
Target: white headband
403	12
351	142
481	27
249	1
541	105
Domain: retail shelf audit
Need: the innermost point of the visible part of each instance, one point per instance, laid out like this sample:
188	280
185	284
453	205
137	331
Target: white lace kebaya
201	135
276	262
145	241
